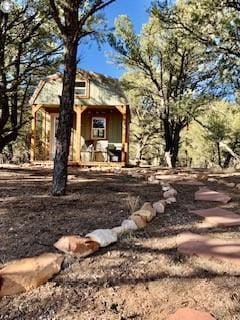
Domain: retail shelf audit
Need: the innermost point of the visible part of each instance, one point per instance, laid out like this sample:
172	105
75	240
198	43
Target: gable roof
101	80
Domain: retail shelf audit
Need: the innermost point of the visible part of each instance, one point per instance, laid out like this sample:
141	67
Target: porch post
78	133
33	136
45	135
127	135
35	108
124	135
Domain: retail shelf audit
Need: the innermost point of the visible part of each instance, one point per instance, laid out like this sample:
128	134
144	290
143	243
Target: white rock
221	181
118	230
212	179
129	224
238	186
103	236
159	206
171	200
170	193
230	184
165	186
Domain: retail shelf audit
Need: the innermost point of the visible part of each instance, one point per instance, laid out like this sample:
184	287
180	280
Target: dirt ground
142	276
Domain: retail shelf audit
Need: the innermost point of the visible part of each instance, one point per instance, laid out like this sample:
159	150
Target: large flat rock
29	273
227	250
218	216
205	194
190	314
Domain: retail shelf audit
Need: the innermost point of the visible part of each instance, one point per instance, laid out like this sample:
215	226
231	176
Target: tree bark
172	139
63	136
227	160
219	154
168	141
175	144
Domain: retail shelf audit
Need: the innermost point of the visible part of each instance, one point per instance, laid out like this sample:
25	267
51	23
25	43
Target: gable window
98	128
81	88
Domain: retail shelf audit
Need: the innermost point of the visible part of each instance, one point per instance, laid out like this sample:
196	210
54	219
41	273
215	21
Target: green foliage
219	127
28	51
166	69
213	23
146	141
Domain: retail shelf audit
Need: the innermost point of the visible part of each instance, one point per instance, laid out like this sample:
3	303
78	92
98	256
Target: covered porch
99	134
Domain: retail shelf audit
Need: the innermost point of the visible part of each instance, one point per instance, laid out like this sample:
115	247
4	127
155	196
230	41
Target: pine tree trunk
172	139
63	136
227	160
175	144
219	155
168	142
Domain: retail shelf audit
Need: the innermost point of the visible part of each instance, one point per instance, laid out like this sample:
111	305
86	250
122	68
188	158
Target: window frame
86	94
105	128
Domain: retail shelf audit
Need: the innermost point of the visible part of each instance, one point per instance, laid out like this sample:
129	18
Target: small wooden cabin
101	120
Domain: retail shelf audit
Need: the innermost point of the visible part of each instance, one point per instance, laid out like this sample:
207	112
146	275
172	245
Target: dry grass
133	203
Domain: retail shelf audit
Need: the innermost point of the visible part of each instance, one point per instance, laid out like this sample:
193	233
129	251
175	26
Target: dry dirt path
141	277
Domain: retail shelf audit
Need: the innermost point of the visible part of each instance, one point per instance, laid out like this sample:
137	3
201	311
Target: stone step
218	216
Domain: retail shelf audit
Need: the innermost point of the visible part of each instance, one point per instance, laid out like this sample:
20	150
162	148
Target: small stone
171	200
147	215
212	180
118	230
76	245
230	184
129	225
159	206
147	206
166	186
170	193
221	181
238	186
28	273
140	221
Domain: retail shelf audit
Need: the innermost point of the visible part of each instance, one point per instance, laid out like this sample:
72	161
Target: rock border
25	274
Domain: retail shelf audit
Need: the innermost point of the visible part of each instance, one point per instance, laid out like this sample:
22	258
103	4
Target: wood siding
101	93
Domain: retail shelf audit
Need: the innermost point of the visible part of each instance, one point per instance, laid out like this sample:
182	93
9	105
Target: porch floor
84	163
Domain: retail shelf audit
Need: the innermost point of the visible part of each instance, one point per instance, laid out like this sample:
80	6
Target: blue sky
93	59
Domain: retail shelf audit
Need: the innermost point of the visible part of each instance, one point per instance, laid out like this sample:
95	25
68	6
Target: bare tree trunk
63	136
219	154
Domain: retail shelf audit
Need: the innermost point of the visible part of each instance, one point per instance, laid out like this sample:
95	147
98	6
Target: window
98	128
81	88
